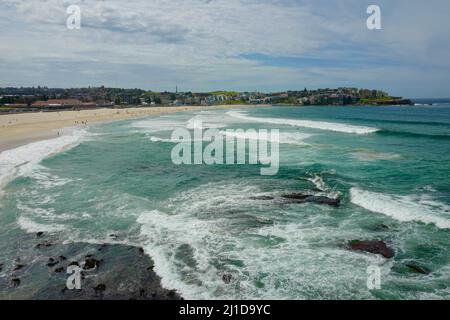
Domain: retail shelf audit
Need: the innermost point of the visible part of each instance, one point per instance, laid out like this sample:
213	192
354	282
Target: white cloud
199	44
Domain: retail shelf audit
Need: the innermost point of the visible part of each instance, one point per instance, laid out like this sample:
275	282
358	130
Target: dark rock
62	258
123	272
418	269
324	200
100	288
39	234
227	278
59	270
296	196
113	236
1	267
264	198
151	268
44	244
15	282
375	247
18	267
171	293
141	250
88	256
302	198
91	263
380	227
52	262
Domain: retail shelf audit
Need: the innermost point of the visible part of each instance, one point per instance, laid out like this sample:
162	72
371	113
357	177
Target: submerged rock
302	198
372	246
15	282
226	278
417	269
324	200
380	227
44	244
264	198
100	288
59	270
39	234
172	293
91	263
18	267
52	262
296	196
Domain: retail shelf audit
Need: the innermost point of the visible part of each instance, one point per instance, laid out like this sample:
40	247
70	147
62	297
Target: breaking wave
330	126
403	208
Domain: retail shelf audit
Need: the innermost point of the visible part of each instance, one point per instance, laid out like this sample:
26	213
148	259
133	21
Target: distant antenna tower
176	89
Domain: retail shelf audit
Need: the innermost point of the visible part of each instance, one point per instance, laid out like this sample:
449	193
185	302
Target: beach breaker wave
227	147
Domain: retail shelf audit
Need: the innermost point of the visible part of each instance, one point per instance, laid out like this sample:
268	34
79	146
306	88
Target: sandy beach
23	128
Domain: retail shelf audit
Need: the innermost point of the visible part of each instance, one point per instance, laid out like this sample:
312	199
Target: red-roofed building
57	103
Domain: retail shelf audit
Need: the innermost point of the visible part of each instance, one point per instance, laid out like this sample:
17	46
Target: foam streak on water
330	126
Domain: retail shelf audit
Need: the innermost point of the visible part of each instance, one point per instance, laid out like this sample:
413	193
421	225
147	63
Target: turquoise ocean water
389	165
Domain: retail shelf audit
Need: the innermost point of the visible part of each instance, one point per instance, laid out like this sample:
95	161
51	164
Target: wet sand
22	128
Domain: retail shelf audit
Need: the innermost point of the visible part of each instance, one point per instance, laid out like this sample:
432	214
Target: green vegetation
4	108
379	100
226	93
232	102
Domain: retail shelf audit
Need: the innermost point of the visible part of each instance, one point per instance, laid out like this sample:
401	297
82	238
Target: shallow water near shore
116	183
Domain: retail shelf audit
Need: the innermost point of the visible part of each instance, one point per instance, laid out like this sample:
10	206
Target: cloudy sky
204	45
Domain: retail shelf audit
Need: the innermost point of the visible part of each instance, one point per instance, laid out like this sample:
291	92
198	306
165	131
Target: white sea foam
166	233
45	179
319	183
323	187
369	156
403	208
33	227
158	139
197	236
294	138
170	140
170	123
330	126
205	124
21	160
158	124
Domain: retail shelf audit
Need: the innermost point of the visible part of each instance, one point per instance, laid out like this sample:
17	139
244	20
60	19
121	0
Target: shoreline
134	266
20	129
